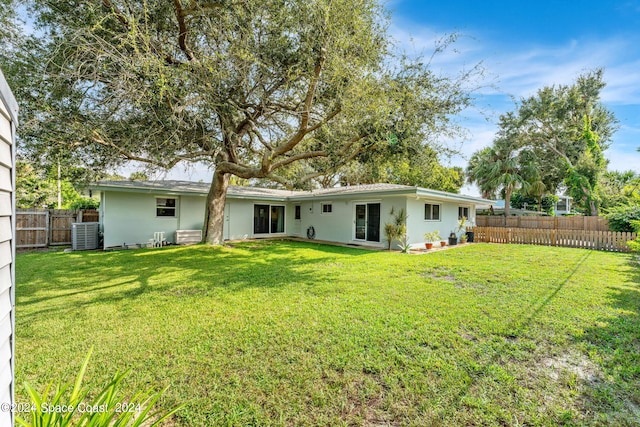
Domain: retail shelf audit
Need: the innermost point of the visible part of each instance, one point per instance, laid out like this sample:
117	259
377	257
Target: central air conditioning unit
188	237
84	235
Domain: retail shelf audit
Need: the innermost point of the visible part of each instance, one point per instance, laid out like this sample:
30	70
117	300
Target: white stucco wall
130	218
239	218
448	222
191	212
339	225
238	222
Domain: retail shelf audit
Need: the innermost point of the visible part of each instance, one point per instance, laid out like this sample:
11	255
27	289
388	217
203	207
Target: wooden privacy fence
48	227
599	240
587	223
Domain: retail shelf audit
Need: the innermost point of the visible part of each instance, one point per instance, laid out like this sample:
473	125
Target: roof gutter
148	190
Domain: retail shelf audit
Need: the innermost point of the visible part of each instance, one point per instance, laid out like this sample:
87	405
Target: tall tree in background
477	172
572	128
499	168
253	88
395	164
562	132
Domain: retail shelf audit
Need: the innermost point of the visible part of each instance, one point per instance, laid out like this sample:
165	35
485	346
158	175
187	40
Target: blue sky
525	45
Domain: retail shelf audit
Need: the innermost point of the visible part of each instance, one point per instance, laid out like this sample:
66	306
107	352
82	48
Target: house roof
188	187
10	105
202	188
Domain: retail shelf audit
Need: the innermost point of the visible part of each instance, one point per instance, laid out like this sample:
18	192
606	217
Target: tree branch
125	23
121	17
301	156
325	120
257	133
195	7
182	36
306	109
98	139
240	170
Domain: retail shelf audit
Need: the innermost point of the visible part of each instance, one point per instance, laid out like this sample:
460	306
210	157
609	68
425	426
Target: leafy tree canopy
619	188
621	217
254	88
35	189
501	168
563	130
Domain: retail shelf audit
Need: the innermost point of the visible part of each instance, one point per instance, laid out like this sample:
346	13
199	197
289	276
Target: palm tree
537	190
497	168
476	172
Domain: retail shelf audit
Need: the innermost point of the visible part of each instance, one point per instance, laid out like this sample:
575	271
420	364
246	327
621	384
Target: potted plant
453	239
430	237
462	226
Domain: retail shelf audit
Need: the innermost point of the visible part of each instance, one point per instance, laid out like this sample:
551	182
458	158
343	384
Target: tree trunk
507	201
593	209
214	215
590	203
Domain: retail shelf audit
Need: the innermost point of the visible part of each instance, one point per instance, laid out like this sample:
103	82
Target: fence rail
48	227
587	223
600	240
32	229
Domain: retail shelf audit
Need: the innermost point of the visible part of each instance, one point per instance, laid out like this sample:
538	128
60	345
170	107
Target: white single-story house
561	207
131	212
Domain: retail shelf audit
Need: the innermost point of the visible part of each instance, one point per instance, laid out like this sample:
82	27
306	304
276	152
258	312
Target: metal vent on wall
84	235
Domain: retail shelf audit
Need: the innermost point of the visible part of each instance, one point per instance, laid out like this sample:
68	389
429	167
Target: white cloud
516	72
521	74
522	70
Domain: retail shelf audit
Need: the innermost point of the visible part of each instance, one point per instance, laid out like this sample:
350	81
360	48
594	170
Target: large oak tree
252	87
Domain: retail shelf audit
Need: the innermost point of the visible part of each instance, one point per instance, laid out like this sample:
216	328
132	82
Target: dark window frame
168	208
432	212
461	212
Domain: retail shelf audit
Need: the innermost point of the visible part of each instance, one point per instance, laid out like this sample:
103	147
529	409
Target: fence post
48	225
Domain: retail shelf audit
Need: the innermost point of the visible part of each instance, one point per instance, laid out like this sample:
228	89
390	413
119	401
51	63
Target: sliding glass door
367	222
268	219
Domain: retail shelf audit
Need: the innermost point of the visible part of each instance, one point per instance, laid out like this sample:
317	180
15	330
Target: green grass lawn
285	333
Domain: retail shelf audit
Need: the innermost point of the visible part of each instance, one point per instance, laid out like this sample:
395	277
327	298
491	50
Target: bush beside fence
599	240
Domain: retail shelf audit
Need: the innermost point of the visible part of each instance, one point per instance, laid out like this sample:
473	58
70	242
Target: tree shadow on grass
608	394
611	391
615	393
525	321
70	282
